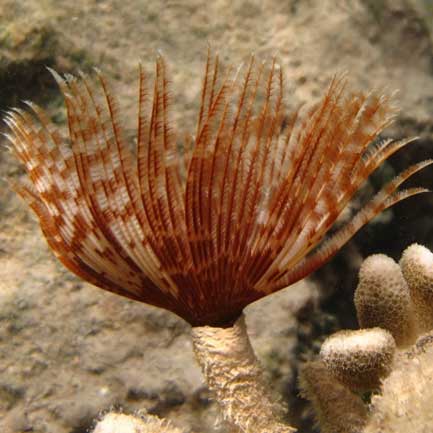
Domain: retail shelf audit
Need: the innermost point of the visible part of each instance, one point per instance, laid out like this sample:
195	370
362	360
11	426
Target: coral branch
360	359
417	267
382	299
337	409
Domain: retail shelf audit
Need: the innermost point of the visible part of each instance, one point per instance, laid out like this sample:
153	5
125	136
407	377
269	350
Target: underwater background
69	351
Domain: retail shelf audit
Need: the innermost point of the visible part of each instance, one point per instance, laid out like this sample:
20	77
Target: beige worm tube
234	374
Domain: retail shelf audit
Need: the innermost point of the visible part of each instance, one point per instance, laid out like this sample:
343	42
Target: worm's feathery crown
205	228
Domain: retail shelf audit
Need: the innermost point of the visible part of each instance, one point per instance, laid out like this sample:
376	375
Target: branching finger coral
204	226
404	403
364	360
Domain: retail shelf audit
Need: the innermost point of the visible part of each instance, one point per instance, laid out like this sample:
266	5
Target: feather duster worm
205	226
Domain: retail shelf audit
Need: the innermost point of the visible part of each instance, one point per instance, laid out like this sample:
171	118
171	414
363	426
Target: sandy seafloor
68	350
